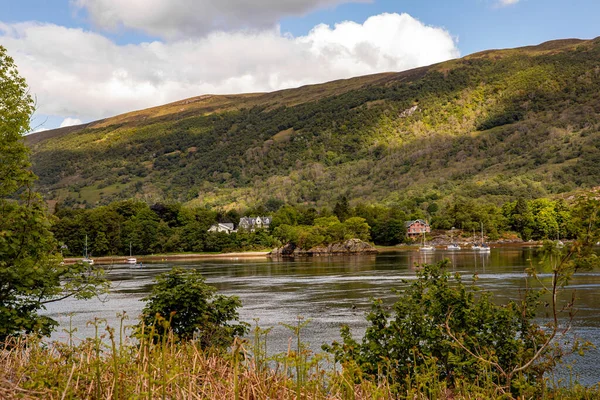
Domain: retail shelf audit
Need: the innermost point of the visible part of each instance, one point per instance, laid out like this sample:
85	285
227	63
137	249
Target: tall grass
113	366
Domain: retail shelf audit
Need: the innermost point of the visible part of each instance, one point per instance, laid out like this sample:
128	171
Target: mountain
498	125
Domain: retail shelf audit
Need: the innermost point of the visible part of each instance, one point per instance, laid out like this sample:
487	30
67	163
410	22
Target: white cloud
83	75
70	122
184	18
504	3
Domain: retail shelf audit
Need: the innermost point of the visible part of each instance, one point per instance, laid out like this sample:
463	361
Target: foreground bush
182	303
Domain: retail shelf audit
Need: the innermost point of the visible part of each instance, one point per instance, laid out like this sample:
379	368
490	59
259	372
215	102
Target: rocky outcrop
348	247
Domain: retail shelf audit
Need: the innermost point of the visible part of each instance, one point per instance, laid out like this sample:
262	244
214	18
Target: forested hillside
497	125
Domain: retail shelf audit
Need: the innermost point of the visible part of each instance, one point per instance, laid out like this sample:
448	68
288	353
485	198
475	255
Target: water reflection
332	291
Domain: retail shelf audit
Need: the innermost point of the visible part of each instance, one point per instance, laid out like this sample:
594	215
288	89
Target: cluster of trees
169	228
160	228
536	219
325	230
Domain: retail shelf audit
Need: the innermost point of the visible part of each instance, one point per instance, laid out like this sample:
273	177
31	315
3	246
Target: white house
222	227
251	224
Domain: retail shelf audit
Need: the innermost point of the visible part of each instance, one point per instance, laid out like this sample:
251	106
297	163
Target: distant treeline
171	228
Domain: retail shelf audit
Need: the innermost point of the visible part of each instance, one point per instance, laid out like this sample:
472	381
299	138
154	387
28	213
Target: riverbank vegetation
445	340
106	367
174	228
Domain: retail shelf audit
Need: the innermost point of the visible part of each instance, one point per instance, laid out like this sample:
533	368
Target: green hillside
498	124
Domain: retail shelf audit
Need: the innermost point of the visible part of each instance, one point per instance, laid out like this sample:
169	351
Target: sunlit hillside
498	124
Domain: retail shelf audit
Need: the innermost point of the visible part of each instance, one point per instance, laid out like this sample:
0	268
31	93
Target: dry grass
97	369
109	367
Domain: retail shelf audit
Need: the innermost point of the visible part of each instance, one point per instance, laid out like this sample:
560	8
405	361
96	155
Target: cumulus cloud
184	18
70	122
81	74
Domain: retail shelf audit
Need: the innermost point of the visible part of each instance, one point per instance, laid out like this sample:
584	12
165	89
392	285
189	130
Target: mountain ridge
529	114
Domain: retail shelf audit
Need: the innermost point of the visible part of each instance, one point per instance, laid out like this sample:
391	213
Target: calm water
333	291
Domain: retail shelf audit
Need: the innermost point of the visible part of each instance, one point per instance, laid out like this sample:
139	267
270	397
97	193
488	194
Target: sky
89	59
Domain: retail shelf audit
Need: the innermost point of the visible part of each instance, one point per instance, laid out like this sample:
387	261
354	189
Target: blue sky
88	59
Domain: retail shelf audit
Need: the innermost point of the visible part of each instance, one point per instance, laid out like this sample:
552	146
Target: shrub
440	324
193	310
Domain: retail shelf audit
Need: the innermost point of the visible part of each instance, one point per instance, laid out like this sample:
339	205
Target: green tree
193	309
521	218
357	227
342	209
31	274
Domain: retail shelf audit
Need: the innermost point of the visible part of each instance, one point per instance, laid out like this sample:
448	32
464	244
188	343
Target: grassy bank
112	366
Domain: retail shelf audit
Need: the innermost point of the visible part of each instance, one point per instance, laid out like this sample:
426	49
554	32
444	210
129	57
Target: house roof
409	223
252	220
223	225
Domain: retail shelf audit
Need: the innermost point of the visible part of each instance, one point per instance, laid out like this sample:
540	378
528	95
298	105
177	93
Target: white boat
131	259
475	246
453	246
86	258
425	247
484	248
559	242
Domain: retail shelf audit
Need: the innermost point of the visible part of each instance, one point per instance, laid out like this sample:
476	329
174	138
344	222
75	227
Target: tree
31	274
521	219
193	310
357	227
342	209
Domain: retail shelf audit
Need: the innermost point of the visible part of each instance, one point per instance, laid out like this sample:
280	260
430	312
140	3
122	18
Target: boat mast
482	234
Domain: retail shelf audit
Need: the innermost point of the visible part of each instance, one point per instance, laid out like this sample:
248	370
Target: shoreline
173	257
263	254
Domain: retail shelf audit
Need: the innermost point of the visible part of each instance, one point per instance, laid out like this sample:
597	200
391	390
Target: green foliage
181	301
31	274
325	231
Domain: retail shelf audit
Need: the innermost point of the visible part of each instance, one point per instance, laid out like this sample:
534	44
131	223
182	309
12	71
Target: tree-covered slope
497	124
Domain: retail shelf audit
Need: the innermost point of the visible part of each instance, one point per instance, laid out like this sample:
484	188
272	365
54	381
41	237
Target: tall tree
342	209
31	274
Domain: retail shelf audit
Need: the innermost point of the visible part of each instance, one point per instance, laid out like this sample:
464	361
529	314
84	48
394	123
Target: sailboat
425	247
131	259
476	247
86	258
483	247
559	243
452	246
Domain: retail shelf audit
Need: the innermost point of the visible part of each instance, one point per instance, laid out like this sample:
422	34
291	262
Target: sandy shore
173	257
